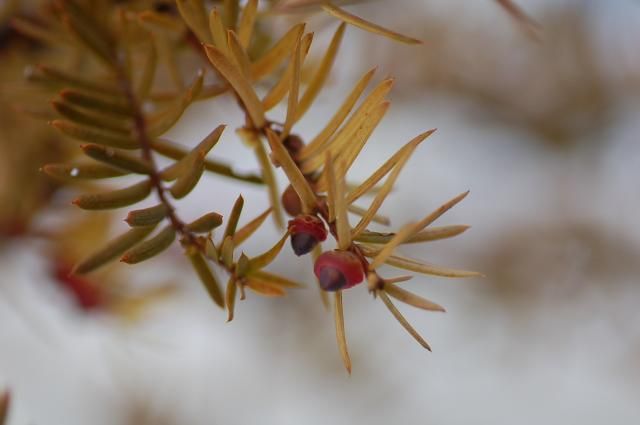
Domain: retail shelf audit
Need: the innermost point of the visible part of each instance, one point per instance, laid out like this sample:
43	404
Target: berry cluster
335	270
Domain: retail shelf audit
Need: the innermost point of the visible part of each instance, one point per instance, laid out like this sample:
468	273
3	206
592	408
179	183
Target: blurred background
544	132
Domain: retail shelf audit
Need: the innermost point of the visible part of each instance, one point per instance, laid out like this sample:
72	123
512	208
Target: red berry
338	270
306	231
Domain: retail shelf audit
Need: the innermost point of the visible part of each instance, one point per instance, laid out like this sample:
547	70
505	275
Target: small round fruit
306	231
337	270
291	201
293	144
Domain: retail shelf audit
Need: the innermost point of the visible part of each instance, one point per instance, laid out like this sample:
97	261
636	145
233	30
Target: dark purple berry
306	231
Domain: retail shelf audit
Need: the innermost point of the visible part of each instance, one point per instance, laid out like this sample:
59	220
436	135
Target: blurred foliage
556	264
25	142
5	401
555	86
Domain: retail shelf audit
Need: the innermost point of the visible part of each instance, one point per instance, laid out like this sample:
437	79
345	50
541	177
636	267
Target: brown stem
141	131
140	126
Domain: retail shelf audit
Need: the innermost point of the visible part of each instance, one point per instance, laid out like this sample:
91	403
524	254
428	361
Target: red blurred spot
85	292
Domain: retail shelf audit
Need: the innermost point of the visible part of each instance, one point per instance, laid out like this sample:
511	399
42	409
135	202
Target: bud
291	201
306	231
293	144
338	270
